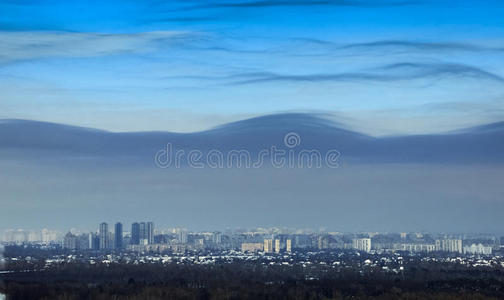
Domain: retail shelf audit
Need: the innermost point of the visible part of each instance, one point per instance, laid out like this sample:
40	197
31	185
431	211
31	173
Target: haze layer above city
392	112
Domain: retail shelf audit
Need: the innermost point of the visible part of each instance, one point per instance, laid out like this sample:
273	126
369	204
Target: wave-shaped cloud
32	45
483	143
418	45
18	45
286	3
392	72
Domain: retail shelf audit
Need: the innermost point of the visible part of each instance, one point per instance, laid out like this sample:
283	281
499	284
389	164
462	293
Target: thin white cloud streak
33	45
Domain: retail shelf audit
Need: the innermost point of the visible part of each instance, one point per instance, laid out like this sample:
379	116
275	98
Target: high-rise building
143	233
46	237
94	241
104	236
183	237
323	242
150	232
363	244
277	245
83	242
217	238
268	245
135	234
288	246
118	235
70	241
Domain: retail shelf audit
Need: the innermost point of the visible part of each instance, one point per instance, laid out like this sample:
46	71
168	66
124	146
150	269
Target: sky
384	68
383	198
381	67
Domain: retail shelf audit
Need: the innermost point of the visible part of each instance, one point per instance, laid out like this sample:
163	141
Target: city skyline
143	238
55	234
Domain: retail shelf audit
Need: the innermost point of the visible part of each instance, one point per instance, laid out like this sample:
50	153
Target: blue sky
382	67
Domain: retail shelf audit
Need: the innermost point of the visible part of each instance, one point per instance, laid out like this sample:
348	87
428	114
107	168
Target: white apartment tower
277	245
268	246
362	244
288	246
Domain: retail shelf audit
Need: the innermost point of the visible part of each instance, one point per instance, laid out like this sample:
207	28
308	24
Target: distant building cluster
142	233
143	237
19	236
105	239
478	249
268	246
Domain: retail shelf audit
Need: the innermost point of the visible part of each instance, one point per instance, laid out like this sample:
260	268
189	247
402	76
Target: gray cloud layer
423	194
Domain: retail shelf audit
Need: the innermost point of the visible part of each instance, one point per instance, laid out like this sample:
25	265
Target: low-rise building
252	247
478	249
